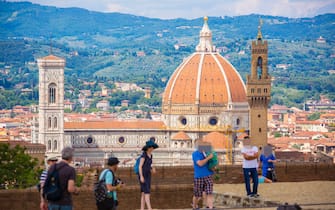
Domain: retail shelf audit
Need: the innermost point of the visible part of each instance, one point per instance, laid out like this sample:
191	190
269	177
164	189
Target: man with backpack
60	183
110	201
50	161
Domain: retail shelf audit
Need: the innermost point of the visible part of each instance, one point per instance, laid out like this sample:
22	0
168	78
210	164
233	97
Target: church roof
181	135
217	140
205	78
115	125
52	57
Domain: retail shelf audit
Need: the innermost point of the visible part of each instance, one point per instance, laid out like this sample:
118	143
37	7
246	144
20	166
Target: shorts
203	184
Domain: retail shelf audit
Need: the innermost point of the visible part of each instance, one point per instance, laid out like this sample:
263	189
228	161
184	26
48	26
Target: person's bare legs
142	201
210	201
147	201
195	202
204	198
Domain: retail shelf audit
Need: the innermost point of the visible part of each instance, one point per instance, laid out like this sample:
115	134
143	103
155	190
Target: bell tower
259	90
51	104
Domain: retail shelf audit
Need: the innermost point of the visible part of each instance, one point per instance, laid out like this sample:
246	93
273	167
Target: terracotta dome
204	79
217	140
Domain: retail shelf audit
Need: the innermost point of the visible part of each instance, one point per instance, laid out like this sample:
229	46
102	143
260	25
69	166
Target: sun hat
149	144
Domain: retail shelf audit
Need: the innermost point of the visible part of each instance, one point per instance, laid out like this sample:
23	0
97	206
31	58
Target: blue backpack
137	165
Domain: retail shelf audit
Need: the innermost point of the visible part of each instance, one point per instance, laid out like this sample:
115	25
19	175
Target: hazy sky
168	9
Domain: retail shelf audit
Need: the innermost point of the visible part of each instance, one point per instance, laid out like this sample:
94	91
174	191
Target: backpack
100	189
52	190
137	165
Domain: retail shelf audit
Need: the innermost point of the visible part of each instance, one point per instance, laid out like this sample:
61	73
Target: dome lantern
205	42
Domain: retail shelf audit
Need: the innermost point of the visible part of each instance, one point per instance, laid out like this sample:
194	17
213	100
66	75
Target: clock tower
259	90
51	104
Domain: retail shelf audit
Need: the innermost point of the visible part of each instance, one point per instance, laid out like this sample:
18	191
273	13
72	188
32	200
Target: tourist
145	170
250	165
262	179
203	180
67	178
267	159
43	177
112	184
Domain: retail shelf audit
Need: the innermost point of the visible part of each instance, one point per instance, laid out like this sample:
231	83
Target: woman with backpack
145	171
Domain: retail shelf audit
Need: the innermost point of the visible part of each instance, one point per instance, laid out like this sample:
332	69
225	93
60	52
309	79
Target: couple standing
144	176
203	180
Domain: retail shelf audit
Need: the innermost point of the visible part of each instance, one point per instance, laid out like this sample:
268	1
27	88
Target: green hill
107	45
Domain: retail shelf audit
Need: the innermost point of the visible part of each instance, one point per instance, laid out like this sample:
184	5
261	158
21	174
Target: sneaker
255	195
250	196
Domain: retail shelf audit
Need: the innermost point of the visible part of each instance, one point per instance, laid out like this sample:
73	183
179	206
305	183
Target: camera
118	181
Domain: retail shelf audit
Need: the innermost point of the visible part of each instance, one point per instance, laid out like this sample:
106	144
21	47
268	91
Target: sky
169	9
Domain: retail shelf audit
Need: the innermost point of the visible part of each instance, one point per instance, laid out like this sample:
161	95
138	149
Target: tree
18	170
314	116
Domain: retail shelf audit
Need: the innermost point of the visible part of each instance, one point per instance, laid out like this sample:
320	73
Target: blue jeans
59	207
247	173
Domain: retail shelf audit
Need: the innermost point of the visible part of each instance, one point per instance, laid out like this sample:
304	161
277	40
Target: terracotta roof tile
218	79
181	135
51	57
217	140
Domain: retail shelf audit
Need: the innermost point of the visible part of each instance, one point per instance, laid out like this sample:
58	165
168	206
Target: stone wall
286	172
171	186
163	196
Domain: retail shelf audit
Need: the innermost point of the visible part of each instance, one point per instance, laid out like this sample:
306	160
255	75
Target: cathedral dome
204	79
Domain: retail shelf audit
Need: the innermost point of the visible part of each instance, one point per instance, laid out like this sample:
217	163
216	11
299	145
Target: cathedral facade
205	98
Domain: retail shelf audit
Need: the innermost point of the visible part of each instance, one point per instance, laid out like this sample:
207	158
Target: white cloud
111	7
168	9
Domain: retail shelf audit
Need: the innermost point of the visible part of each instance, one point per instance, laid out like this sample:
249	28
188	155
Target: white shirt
250	150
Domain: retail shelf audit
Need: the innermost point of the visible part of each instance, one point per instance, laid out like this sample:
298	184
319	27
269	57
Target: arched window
55	145
52	93
55	122
237	121
49	145
259	67
49	122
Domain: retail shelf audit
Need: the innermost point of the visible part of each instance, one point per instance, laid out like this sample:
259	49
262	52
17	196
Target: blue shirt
109	180
266	164
200	171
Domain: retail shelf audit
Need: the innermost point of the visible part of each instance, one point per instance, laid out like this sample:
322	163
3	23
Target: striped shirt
43	177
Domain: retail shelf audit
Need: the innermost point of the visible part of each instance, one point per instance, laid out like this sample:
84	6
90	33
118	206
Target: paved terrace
308	195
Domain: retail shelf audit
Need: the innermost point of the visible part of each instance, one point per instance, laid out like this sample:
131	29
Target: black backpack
100	188
52	190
